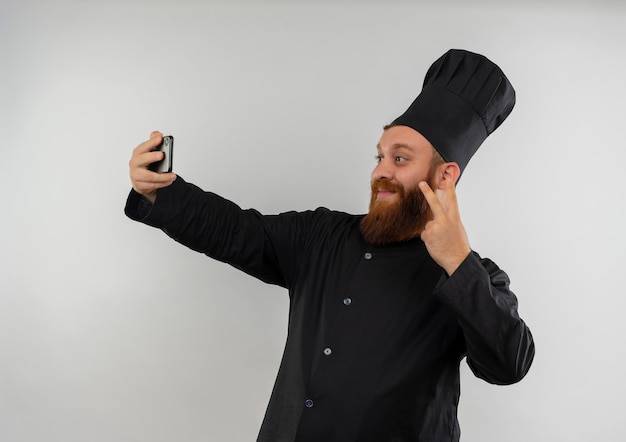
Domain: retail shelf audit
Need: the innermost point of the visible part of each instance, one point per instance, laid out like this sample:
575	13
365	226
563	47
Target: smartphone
167	147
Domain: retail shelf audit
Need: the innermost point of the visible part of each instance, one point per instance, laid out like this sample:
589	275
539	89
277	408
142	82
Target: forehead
403	137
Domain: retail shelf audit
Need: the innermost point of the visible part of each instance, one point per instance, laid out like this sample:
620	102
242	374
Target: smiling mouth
385	190
382	193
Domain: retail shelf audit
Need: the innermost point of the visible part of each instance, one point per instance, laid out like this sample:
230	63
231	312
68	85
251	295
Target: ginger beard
391	222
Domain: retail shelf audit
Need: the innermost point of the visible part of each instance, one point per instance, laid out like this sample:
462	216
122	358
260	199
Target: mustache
386	185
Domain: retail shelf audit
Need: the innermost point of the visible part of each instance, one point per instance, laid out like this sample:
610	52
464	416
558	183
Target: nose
383	171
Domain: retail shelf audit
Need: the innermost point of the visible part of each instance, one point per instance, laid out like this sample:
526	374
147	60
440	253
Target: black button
308	403
347	301
328	351
368	255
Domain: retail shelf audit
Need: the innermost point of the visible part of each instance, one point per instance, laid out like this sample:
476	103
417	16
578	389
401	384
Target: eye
400	159
378	159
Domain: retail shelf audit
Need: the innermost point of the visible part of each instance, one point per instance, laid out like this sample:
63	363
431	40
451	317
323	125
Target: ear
446	172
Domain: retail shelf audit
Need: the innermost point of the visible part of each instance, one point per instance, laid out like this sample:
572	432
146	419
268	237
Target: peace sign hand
444	236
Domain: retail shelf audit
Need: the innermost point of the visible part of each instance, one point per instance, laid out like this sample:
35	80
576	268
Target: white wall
110	331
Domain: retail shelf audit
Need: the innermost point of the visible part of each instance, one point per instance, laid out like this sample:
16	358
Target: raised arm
500	347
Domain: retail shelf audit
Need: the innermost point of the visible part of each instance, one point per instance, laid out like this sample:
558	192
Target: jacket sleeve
499	345
262	246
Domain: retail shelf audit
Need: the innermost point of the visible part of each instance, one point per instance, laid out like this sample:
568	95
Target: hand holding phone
167	147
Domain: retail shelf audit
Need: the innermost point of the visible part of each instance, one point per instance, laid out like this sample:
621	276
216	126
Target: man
383	307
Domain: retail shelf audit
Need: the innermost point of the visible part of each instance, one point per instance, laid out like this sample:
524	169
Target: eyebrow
397	146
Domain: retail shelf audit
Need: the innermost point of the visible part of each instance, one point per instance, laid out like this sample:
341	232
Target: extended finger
452	203
431	198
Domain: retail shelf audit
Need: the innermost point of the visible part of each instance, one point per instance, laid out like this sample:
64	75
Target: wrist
150	197
455	262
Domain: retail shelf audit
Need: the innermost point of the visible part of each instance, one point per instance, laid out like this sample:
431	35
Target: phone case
167	147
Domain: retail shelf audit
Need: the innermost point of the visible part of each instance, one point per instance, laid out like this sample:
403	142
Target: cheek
410	178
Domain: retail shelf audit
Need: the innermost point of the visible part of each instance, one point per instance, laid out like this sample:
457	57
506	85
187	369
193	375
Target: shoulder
317	224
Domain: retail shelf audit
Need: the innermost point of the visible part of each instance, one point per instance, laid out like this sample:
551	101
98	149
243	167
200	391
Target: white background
110	331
